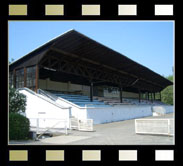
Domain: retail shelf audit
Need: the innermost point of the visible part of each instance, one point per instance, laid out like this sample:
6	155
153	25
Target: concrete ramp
45	110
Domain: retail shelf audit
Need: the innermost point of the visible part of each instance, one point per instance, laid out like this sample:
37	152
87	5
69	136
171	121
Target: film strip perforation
89	155
91	10
123	9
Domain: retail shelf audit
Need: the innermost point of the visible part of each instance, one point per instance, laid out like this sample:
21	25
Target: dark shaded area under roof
76	45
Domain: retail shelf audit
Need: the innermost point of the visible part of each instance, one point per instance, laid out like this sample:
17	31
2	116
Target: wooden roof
75	44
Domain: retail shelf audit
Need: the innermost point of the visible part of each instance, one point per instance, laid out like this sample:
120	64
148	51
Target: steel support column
91	92
148	96
139	96
121	94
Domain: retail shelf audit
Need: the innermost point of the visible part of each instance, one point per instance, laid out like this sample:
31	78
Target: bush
18	126
17	101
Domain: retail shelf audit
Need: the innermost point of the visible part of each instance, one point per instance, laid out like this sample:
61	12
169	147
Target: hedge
18	127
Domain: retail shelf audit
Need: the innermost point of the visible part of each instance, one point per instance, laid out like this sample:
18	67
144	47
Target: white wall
76	111
39	108
111	114
163	109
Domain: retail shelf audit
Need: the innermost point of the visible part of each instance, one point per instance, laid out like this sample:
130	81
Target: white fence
81	124
48	125
154	126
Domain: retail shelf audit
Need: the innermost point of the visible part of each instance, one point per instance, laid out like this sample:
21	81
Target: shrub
18	126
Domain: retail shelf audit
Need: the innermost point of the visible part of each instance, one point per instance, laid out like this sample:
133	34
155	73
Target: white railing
46	98
48	125
81	124
154	126
55	98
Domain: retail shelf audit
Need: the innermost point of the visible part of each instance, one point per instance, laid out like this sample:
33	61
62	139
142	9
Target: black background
109	154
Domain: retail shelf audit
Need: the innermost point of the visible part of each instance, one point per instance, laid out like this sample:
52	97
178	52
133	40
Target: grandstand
91	81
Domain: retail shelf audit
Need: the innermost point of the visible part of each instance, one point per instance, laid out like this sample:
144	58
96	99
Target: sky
148	43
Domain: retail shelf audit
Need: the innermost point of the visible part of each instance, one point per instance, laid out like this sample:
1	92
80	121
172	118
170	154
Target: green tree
17	101
11	61
167	93
19	125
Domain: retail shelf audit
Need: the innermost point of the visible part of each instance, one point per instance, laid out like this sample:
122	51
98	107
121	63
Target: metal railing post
168	126
37	125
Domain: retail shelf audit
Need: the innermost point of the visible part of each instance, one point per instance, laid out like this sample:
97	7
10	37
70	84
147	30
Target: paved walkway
116	133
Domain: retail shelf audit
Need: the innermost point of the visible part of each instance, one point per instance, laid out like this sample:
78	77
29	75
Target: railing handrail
50	119
49	95
32	92
60	98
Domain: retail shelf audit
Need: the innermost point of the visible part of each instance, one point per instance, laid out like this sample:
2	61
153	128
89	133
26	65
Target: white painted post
70	113
92	125
78	124
135	126
66	127
70	123
37	125
168	126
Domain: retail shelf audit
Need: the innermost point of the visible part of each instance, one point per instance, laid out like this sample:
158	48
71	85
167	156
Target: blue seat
81	100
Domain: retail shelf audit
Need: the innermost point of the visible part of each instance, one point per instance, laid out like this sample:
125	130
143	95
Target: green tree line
167	93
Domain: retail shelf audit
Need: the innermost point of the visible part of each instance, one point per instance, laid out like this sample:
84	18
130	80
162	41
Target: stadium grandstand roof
74	47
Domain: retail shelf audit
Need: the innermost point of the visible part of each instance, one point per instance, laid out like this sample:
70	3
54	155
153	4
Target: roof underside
76	45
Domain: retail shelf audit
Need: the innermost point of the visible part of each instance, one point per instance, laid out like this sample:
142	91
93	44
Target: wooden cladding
37	78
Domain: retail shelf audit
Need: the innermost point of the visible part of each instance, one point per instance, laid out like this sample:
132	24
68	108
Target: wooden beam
95	71
106	66
37	78
25	77
14	78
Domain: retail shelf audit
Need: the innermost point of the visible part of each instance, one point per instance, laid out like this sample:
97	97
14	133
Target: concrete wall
112	114
39	108
61	86
125	94
76	111
163	109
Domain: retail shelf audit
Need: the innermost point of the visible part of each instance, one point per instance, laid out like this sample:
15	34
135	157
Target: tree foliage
17	101
18	124
167	93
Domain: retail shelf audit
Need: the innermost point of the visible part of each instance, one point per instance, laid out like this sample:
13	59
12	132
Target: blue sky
148	43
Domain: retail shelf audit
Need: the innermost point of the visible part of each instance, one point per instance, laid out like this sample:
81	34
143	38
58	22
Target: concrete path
116	133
